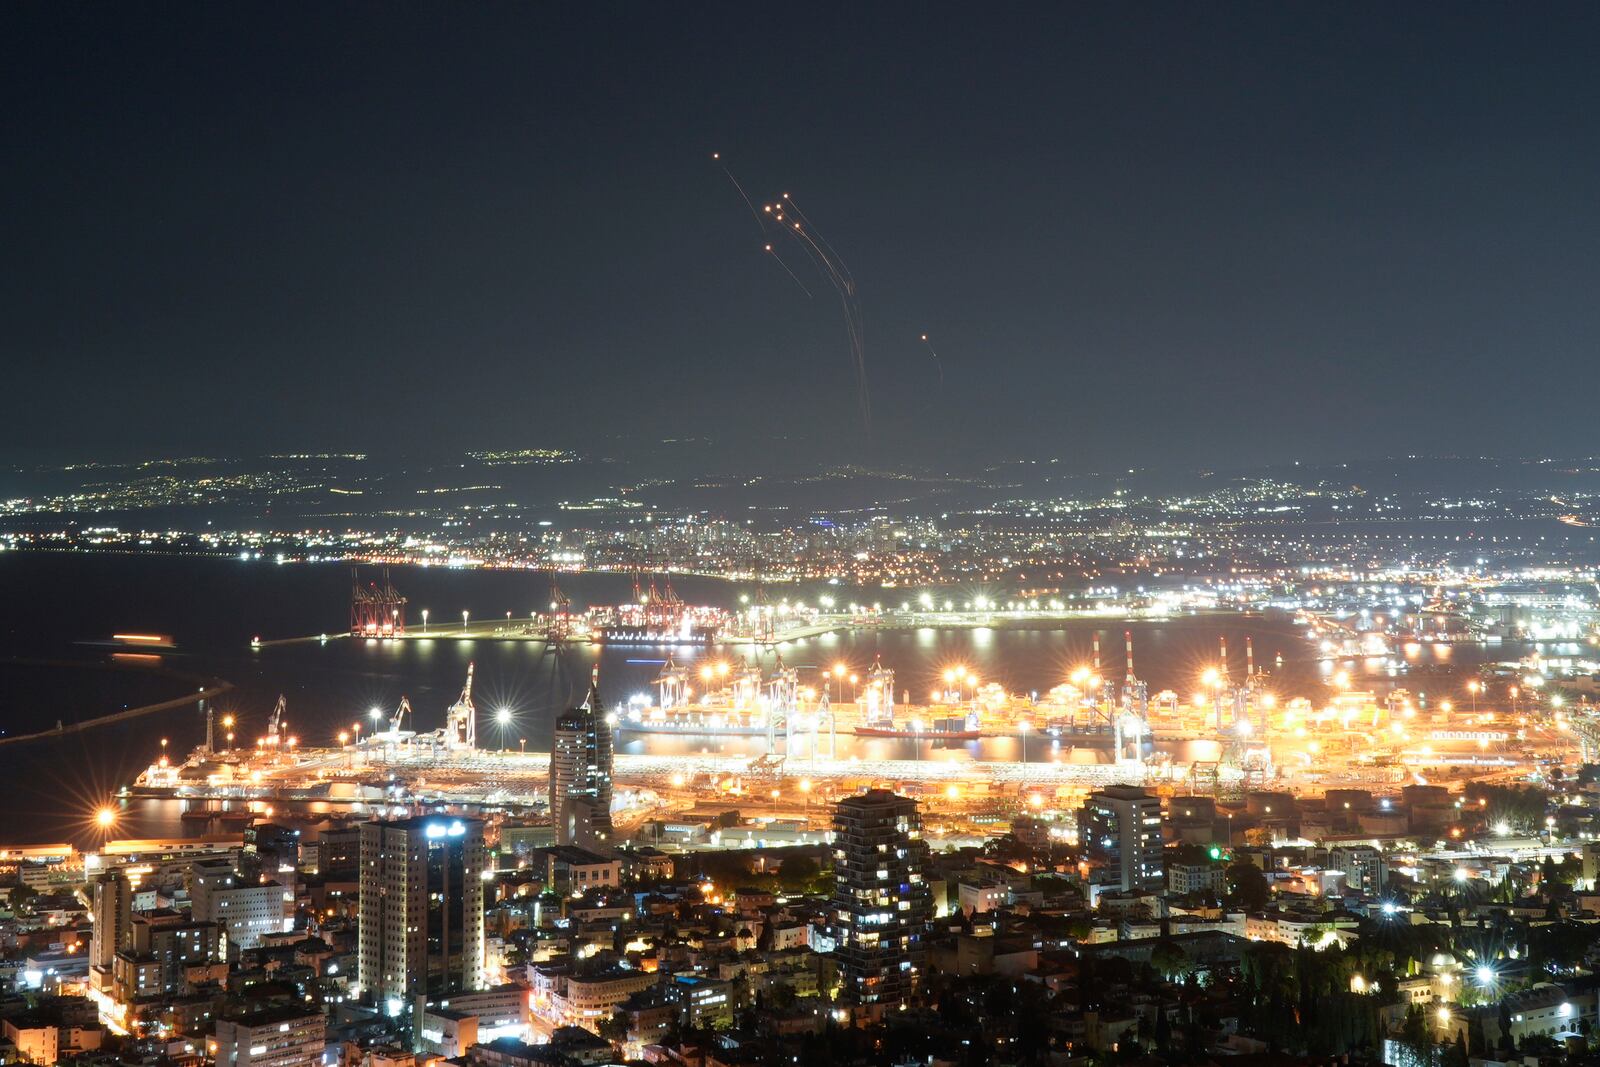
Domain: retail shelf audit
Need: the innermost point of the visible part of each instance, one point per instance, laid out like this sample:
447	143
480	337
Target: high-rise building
286	1036
881	904
113	926
1119	829
421	908
580	773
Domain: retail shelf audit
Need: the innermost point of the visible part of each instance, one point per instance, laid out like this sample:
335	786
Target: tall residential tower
580	773
881	904
1120	829
421	908
113	926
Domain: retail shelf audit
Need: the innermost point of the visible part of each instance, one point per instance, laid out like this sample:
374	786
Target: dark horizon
1168	237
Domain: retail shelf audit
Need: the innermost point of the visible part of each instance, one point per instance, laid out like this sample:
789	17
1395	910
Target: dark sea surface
61	609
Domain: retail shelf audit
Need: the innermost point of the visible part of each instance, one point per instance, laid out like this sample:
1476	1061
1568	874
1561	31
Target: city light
1260	351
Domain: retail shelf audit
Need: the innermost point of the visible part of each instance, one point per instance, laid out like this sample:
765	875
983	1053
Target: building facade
163	946
274	1037
1119	829
881	903
243	910
113	926
580	773
421	909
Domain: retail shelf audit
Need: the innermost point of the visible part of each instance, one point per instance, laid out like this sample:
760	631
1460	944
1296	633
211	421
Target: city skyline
880	535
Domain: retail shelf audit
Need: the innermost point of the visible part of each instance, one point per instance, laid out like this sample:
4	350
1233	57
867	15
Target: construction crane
461	721
376	610
1132	726
397	722
560	627
275	723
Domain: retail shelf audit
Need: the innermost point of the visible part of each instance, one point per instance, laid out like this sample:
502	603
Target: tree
1416	1037
614	1028
1163	1029
1247	886
1169	960
798	871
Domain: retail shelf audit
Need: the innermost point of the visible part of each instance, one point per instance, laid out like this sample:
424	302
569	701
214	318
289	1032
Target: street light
463	619
503	717
424	620
1473	687
1023	727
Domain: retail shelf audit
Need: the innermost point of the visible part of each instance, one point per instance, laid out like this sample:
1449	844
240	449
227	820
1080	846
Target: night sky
1137	234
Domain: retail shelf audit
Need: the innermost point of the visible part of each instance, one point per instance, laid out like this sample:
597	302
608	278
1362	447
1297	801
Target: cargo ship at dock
738	700
955	728
656	617
729	701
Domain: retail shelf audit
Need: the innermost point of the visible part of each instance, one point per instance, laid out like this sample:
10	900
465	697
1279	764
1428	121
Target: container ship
733	700
656	617
949	728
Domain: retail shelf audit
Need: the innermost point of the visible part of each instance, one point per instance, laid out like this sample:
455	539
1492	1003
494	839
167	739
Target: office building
580	773
113	926
287	1036
1119	829
244	911
881	903
421	910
